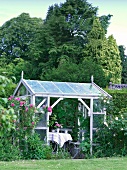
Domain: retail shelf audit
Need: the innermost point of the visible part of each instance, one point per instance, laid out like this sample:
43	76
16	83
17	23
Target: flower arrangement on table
57	126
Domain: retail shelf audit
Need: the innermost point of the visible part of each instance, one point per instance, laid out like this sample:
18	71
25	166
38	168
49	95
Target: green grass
67	164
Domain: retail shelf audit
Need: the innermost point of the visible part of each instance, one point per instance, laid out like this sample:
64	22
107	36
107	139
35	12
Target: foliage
103	52
71	32
65	112
7	116
25	116
6	88
7	119
8	151
61	154
104	20
17	122
114	66
85	147
124	64
71	72
33	148
75	21
16	36
111	137
118	101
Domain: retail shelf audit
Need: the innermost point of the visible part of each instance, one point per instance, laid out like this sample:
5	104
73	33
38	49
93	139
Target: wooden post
91	125
47	130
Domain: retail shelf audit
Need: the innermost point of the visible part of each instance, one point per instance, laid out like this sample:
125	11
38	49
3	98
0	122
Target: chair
75	148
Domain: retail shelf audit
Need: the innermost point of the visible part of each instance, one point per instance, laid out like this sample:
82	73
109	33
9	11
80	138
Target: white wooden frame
60	97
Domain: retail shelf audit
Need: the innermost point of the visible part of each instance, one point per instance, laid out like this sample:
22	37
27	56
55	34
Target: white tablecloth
60	138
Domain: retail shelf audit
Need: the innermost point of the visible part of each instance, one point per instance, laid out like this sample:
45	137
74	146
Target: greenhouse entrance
40	93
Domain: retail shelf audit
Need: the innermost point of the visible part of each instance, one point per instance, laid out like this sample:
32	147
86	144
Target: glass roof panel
50	87
94	90
35	86
84	88
90	89
64	87
78	87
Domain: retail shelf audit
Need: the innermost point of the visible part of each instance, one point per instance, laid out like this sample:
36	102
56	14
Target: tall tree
63	34
71	72
104	52
72	20
16	36
123	63
104	20
114	65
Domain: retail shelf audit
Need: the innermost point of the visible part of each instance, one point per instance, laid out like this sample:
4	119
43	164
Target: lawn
67	164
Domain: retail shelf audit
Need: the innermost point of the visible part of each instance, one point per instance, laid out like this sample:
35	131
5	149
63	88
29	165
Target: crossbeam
85	105
41	103
57	101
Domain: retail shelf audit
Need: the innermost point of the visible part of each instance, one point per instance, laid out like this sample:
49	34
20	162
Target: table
59	138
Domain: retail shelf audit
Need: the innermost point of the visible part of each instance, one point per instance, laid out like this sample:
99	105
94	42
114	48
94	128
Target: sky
38	8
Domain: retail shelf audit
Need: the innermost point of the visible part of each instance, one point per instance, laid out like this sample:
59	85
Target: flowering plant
47	109
57	125
25	119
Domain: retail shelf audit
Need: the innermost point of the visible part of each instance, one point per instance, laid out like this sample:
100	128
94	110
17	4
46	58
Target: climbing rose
26	109
22	103
18	99
12	104
10	98
31	105
49	109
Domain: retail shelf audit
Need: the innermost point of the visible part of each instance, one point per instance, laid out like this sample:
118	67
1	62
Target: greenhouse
40	93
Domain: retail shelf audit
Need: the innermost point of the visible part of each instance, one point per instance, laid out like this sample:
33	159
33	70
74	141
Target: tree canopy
71	34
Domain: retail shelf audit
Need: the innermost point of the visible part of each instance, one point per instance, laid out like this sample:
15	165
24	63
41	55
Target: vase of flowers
57	126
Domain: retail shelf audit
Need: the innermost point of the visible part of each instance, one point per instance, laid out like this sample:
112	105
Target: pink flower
26	109
49	109
22	103
12	104
10	98
31	105
32	123
58	125
18	99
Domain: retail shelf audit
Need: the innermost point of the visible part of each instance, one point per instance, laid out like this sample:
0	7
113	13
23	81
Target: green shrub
34	148
112	138
8	151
